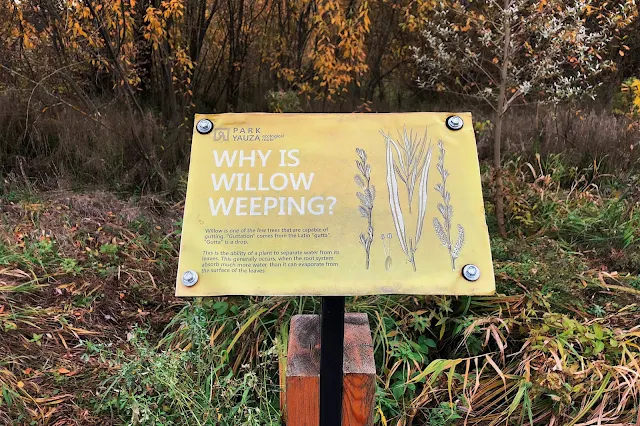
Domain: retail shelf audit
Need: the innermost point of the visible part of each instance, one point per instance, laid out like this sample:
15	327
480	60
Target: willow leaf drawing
411	165
394	199
443	229
422	195
410	152
366	196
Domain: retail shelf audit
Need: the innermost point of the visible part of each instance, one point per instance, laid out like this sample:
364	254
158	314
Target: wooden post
303	372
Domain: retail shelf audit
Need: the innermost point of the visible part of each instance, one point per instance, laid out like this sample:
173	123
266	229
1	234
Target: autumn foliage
135	71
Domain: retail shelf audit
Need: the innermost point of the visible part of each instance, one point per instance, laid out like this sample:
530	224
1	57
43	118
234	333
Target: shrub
283	101
581	137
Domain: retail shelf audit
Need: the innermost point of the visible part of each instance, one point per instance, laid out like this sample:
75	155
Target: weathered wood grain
303	372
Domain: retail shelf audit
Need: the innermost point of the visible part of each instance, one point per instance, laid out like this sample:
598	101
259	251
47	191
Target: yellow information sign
334	204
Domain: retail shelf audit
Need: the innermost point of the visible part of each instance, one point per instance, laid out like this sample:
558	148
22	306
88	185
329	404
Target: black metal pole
331	359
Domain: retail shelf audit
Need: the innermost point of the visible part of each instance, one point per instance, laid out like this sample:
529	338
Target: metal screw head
471	272
454	122
204	126
190	278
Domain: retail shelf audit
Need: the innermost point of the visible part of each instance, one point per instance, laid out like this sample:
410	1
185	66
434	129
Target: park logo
237	134
221	135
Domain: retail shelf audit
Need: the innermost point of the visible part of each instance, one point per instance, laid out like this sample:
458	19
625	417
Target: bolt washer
471	272
190	278
454	122
204	126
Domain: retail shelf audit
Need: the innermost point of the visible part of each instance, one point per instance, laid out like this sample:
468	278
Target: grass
92	334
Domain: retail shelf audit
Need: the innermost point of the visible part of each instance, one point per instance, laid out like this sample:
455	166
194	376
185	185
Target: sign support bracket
331	360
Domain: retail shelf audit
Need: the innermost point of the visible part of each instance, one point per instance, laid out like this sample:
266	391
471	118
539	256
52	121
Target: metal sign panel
334	204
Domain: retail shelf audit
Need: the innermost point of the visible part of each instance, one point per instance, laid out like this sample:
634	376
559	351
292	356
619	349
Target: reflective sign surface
334	204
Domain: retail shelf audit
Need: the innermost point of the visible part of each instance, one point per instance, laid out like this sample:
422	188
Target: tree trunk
236	20
497	141
497	165
171	106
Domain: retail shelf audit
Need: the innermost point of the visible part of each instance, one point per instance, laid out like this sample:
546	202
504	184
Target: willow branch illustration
412	166
410	152
366	197
443	230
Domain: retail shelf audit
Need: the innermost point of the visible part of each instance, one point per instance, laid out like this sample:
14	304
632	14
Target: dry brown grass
579	135
526	356
76	270
56	146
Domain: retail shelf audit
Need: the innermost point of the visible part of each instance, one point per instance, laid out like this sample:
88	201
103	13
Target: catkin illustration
443	230
411	164
366	197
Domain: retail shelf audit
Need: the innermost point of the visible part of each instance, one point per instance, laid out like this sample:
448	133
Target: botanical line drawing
410	155
443	230
412	166
366	197
387	251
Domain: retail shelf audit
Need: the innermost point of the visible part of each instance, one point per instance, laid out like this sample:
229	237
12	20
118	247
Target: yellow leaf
383	419
20	384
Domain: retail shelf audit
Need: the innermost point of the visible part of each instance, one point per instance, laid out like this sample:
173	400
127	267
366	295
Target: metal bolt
471	272
454	122
204	126
190	278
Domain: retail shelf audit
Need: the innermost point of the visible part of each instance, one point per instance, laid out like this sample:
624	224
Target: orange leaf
63	370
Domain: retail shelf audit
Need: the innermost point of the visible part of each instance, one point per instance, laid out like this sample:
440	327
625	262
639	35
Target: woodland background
96	106
104	91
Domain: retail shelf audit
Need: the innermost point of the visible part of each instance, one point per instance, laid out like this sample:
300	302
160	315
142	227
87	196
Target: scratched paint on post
334	204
